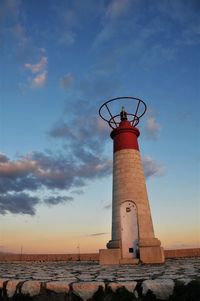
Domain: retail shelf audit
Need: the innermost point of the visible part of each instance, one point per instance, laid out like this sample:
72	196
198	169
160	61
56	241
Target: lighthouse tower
133	238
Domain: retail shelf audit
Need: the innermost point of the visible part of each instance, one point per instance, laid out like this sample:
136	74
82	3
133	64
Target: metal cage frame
112	122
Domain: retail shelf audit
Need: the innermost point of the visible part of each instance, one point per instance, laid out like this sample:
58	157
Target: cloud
9	8
40	66
152	168
80	159
116	8
20	179
39	70
72	17
108	206
58	200
67	80
113	20
67	38
152	128
61	130
179	10
78	191
88	135
17	39
39	80
3	158
19	33
12	29
98	234
98	84
137	28
18	203
8	168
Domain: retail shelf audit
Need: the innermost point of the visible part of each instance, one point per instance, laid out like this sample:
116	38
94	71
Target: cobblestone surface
67	281
175	269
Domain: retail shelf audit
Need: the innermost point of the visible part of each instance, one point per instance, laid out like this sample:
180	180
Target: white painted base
129	229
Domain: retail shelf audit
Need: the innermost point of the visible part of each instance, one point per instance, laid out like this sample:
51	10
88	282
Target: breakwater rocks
177	279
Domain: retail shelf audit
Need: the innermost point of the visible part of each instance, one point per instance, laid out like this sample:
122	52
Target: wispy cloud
98	234
11	26
112	19
152	128
38	67
67	38
143	42
152	168
39	70
108	206
9	8
67	80
117	8
78	191
19	32
39	80
52	200
15	35
89	136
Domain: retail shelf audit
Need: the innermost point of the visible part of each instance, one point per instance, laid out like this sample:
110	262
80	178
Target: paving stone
74	272
161	288
9	276
42	278
58	286
69	280
86	290
11	287
130	286
2	281
85	277
31	288
185	281
170	276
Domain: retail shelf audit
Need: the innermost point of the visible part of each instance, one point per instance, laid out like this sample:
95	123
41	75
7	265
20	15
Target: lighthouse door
129	229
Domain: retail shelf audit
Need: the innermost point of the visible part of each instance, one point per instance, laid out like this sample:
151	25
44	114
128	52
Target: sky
59	61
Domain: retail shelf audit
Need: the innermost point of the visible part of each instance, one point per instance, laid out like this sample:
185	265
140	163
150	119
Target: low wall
179	253
49	257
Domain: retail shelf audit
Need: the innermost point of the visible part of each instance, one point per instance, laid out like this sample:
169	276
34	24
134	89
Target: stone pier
73	281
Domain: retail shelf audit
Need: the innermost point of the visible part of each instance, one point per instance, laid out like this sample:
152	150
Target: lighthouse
132	239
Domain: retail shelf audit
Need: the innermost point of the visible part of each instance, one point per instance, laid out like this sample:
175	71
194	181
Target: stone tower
133	238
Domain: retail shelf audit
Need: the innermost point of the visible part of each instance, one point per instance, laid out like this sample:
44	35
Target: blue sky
60	60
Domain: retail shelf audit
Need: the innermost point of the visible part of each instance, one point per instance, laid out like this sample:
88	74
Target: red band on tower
125	136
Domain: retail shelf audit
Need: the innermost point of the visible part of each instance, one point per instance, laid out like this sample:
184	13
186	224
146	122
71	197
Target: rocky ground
90	281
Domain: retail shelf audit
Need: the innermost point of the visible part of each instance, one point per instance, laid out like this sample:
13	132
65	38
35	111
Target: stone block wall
180	253
49	257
